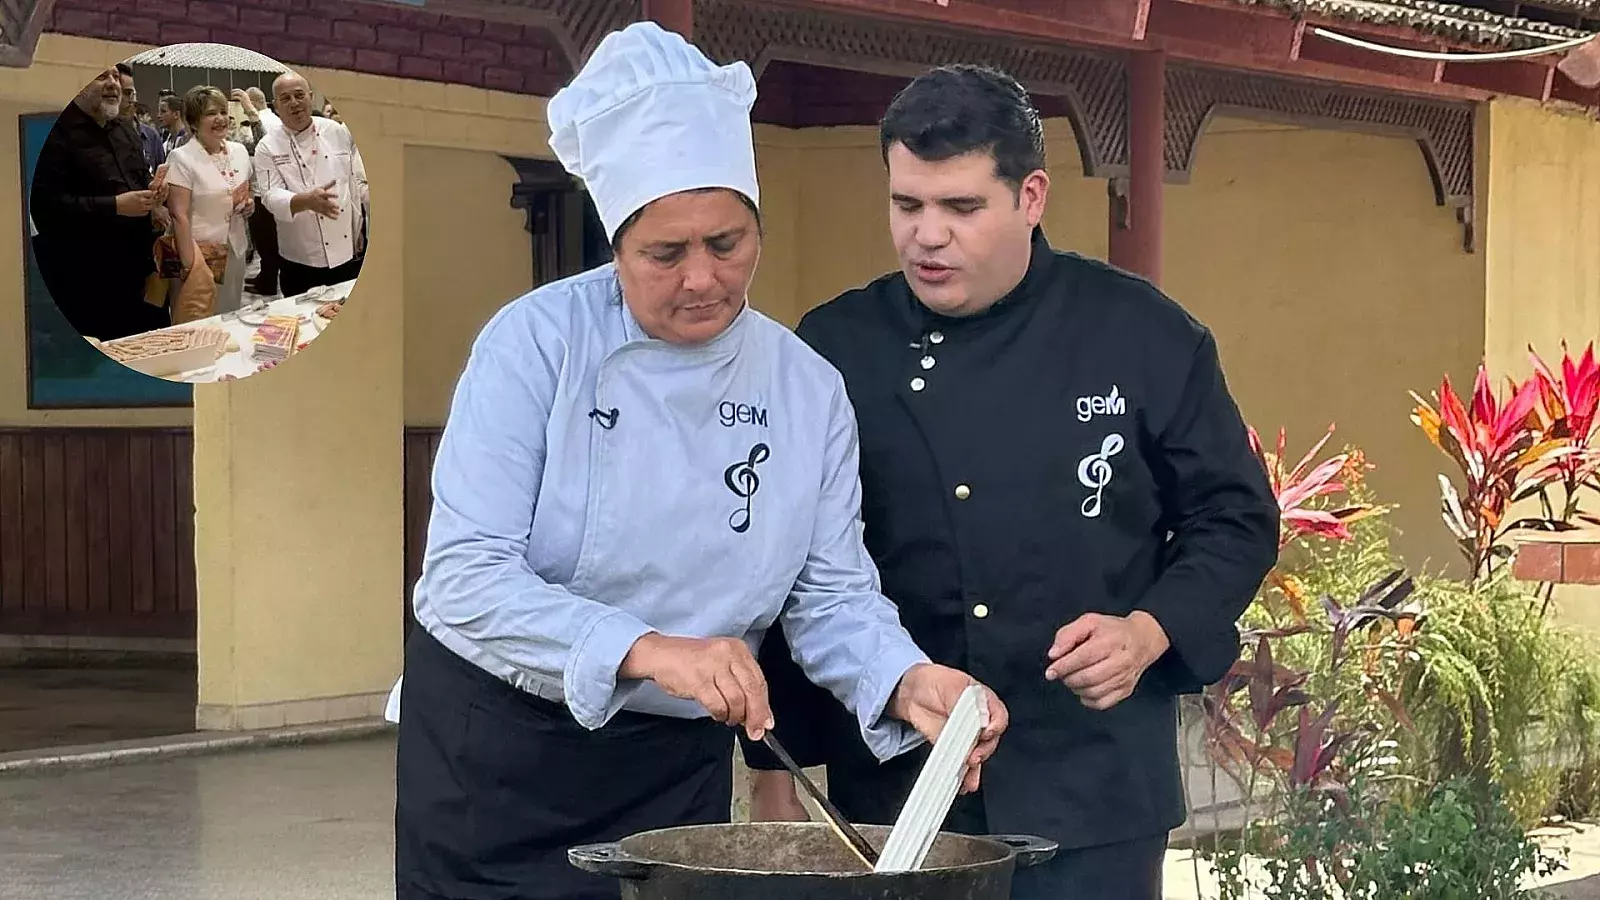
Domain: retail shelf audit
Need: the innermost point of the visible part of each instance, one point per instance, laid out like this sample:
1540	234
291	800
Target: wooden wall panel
97	532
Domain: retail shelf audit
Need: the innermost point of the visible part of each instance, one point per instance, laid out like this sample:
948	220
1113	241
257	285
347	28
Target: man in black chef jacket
1058	491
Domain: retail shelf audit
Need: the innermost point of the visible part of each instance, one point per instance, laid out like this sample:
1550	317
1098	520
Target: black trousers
494	785
1129	870
264	235
297	278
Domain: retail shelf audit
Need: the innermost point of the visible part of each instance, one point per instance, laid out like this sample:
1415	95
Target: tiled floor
55	707
295	823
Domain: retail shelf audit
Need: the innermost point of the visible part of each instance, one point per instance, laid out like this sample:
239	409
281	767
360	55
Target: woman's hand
718	673
926	696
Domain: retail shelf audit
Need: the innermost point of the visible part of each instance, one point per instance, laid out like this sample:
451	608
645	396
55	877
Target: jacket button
936	337
980	611
963	492
918	384
927	362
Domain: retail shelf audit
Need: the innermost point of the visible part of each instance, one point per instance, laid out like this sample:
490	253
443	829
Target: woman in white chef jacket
205	197
638	476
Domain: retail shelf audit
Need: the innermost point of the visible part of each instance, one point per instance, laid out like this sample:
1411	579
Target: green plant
1459	841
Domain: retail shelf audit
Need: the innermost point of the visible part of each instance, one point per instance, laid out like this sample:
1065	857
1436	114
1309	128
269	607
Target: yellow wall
468	255
1541	233
1334	285
1540	189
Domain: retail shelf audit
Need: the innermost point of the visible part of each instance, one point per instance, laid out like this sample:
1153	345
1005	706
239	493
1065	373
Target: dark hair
171	102
124	69
616	242
957	109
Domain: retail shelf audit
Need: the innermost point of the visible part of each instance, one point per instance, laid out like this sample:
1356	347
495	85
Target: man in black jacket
93	204
1058	491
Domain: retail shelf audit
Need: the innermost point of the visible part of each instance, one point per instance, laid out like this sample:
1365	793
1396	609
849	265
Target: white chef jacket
269	123
289	164
594	484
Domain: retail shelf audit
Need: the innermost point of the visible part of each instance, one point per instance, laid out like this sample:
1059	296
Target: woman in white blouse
209	196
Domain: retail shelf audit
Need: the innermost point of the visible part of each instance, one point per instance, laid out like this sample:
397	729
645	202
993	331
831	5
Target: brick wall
378	39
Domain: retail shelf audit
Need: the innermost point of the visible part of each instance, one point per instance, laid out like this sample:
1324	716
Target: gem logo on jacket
1112	404
742	479
731	414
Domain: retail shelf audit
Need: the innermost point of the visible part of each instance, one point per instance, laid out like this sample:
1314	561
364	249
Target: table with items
235	344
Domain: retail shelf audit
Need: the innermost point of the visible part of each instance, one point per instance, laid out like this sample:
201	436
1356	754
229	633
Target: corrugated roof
1589	9
209	56
1453	21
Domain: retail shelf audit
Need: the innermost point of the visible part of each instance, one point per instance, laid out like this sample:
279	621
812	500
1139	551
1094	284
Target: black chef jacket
93	261
1074	449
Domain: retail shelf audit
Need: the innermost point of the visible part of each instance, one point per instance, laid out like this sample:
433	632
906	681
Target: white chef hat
649	115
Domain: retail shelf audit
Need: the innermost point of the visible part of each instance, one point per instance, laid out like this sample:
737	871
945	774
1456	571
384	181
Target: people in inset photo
312	179
169	114
149	138
95	210
208	181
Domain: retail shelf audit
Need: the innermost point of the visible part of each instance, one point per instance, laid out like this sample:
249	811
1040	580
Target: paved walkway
294	823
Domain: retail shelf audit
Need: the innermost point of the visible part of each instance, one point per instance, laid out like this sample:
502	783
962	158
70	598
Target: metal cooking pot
802	861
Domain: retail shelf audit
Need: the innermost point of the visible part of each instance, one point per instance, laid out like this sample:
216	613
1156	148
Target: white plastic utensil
918	824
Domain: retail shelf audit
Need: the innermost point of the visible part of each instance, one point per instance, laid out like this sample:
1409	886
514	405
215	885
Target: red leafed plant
1305	509
1569	411
1296	488
1492	440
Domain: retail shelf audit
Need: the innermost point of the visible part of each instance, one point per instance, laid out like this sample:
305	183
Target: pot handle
610	860
1031	850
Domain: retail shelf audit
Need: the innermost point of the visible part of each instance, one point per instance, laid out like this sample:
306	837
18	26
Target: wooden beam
1271	36
1135	237
1271	48
1564	90
1316	49
1510	77
1089	23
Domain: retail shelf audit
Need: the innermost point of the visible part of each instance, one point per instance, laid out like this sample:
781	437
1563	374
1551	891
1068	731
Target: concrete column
298	494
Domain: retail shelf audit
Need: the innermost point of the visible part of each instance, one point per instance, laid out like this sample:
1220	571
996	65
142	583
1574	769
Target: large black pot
802	861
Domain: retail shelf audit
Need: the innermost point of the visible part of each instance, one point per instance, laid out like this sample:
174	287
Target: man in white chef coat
313	182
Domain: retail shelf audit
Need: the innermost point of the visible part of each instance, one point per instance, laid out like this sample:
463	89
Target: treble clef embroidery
742	479
1094	472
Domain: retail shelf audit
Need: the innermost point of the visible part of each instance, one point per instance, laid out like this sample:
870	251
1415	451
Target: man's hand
322	201
243	99
718	673
925	698
1101	658
134	204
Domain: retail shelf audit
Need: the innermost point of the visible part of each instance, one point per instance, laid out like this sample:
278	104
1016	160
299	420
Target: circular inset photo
198	213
